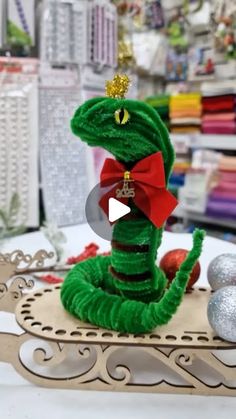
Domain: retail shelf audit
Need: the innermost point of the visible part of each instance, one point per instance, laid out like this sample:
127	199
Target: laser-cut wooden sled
57	350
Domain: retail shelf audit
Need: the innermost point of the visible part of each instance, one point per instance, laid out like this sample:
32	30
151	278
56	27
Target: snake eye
121	116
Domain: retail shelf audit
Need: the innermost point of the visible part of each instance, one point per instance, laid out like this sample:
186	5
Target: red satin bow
151	195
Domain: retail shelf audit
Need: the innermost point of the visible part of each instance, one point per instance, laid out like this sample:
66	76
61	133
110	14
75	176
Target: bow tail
156	204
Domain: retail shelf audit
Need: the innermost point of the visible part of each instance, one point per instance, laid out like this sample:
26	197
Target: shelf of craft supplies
202	218
182	142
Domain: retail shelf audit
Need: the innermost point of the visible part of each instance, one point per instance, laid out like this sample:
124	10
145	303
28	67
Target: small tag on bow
126	191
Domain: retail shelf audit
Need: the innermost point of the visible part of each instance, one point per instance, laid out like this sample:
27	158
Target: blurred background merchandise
54	54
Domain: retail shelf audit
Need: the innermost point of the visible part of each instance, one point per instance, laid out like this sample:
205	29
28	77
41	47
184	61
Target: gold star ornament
118	87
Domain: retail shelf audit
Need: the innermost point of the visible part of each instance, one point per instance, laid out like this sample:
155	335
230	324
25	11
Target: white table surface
22	400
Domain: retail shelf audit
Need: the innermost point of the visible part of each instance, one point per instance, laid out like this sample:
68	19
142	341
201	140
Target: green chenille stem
90	294
105	290
138	232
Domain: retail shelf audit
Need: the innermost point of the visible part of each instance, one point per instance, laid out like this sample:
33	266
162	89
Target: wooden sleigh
58	351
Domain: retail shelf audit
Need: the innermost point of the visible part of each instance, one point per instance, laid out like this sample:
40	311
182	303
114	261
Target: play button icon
117	209
98	221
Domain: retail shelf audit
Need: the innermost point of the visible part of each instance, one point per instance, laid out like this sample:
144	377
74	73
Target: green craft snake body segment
127	291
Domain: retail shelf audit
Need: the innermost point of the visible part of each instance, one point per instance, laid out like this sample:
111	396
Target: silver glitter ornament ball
221	313
222	271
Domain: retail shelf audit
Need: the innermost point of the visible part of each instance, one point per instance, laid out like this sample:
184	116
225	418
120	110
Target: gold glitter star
118	87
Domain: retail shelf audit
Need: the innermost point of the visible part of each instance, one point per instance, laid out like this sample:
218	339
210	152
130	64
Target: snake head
129	129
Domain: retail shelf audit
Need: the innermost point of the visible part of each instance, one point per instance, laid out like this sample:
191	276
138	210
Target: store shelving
182	142
188	216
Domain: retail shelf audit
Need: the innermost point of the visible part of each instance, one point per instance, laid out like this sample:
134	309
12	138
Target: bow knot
148	190
127	175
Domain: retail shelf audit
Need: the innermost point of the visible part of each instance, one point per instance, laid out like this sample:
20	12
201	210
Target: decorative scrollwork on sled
11	266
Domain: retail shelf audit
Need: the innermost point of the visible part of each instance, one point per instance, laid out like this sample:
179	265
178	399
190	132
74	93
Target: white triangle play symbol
116	210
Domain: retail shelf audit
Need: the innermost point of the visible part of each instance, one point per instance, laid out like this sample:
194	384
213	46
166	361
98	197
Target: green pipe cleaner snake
92	291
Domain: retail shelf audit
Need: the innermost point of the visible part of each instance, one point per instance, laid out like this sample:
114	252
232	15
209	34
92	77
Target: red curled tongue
147	180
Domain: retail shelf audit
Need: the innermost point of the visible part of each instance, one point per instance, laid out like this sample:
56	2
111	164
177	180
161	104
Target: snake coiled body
127	290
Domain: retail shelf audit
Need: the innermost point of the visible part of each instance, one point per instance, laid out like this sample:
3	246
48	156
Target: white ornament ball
221	313
221	27
222	271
